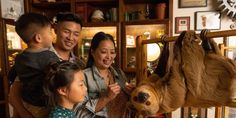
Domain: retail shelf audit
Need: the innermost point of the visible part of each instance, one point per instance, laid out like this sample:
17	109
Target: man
67	29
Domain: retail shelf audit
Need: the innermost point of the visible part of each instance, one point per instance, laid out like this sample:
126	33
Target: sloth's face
145	100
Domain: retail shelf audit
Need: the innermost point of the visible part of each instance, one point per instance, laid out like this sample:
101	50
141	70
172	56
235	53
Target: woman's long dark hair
97	39
60	74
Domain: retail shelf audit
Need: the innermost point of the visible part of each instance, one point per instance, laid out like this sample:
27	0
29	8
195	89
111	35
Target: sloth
191	74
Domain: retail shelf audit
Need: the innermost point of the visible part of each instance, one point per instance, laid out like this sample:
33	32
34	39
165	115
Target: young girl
64	86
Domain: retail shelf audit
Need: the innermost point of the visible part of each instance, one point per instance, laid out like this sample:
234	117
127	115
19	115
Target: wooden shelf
108	3
100	24
52	5
129	70
98	1
143	1
149	21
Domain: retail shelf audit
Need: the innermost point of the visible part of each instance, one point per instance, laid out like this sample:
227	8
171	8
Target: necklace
107	81
108	78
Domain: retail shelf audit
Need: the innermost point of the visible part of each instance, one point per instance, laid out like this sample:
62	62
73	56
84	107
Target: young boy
31	64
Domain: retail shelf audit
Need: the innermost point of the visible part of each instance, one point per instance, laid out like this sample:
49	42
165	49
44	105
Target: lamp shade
153	52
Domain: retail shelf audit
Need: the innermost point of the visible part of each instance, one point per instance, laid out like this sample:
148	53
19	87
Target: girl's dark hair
60	74
97	39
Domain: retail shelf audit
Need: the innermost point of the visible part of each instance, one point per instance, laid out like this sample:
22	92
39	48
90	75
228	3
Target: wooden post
141	59
218	111
222	50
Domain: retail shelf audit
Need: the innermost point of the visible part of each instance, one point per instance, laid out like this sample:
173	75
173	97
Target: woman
107	91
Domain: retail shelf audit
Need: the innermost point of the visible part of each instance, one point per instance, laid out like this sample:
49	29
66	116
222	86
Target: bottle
160	11
147	13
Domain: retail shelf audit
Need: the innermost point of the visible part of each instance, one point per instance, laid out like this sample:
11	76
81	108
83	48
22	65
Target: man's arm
16	101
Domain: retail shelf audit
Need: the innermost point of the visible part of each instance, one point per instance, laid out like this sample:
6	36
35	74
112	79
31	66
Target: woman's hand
129	87
113	90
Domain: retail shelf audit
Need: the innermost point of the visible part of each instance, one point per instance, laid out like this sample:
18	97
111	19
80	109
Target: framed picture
182	24
229	112
12	9
192	3
207	20
130	41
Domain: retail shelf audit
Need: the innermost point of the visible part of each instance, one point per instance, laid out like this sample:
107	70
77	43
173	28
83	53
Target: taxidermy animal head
193	73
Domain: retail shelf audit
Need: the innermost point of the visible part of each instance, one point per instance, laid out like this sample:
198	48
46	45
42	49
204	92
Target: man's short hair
28	24
67	16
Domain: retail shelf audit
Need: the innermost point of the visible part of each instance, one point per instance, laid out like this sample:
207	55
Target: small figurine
97	16
132	62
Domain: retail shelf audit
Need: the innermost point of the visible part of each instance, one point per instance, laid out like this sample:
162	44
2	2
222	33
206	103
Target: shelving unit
11	45
4	109
132	29
90	29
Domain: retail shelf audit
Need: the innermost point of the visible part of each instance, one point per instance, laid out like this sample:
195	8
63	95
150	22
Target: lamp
153	50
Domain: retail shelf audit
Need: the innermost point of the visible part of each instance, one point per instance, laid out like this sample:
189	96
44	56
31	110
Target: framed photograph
192	3
12	9
130	41
182	24
229	112
207	20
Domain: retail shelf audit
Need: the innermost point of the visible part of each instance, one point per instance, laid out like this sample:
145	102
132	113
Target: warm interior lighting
13	40
153	52
87	44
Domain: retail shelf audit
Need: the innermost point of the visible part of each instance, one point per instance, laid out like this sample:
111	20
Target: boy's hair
67	16
28	24
60	74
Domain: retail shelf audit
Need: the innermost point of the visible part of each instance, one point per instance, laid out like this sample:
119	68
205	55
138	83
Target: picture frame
229	48
130	41
192	3
207	20
182	24
12	9
229	112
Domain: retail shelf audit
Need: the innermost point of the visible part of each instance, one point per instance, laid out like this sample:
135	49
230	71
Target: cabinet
14	43
3	77
8	48
141	17
97	10
49	9
97	15
12	46
151	29
128	17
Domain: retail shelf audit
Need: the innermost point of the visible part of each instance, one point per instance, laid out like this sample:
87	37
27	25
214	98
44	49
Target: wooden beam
224	33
